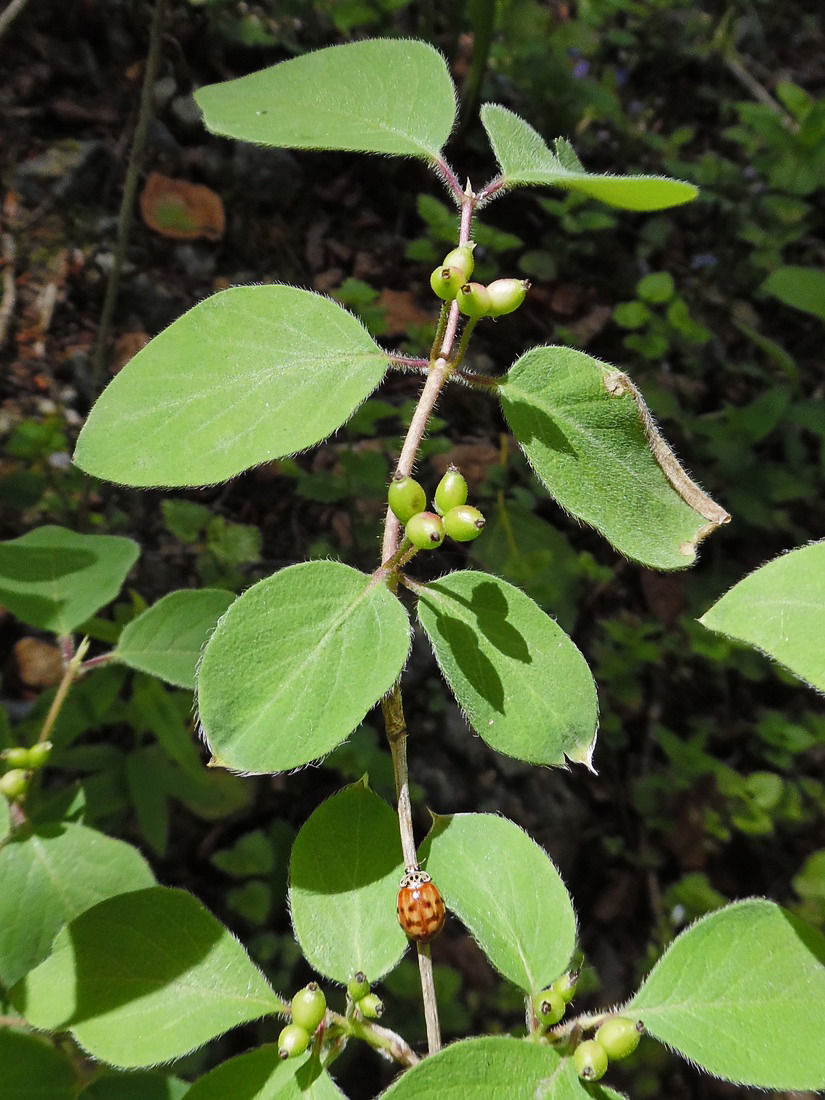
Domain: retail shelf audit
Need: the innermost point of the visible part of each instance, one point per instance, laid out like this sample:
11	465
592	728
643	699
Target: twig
9	298
10	14
124	221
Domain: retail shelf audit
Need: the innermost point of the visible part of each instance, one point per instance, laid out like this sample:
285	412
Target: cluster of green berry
368	1004
308	1008
451	282
616	1038
453	516
22	764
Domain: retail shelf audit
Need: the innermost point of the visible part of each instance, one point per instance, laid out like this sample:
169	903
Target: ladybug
420	907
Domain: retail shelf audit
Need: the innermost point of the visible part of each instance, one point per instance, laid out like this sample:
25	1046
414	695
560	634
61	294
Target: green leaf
523	685
33	1069
387	96
251	374
799	287
344	873
143	1085
742	994
591	440
53	579
296	663
50	875
493	1067
143	978
780	609
262	1075
526	159
167	639
145	772
508	893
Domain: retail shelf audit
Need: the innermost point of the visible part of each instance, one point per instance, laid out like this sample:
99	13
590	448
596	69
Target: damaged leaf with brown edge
183	210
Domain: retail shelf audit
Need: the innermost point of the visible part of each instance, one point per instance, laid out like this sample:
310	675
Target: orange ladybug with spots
420	907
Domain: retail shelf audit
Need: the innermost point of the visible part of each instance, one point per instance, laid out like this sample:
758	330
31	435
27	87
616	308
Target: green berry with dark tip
619	1036
358	986
425	531
17	757
549	1007
446	282
406	498
39	755
473	300
565	986
506	295
462	258
309	1006
371	1006
14	784
451	491
292	1041
590	1059
464	523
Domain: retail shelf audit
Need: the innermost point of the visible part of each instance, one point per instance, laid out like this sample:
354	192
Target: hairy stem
71	672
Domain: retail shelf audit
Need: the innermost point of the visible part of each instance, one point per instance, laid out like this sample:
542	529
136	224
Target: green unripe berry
506	295
451	491
371	1006
406	498
565	986
549	1007
464	523
619	1036
309	1006
358	986
462	258
14	784
292	1041
425	531
39	755
590	1060
446	282
473	300
17	757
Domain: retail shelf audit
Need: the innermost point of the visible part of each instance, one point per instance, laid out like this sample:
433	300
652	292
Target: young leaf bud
464	523
425	530
506	295
590	1060
446	282
451	491
309	1006
565	986
292	1041
619	1036
406	498
39	755
14	784
549	1007
358	986
371	1006
473	300
462	258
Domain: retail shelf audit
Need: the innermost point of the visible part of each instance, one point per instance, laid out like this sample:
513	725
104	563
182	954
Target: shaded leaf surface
377	96
344	873
50	875
296	663
525	158
251	374
732	989
590	439
262	1075
524	686
54	579
780	609
507	891
143	978
33	1070
167	639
